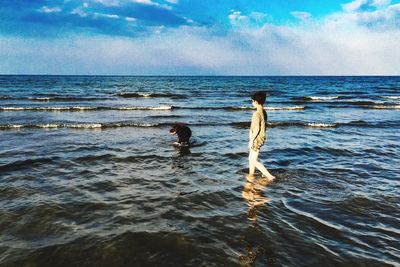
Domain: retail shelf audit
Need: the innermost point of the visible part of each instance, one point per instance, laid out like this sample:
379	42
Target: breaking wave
359	123
149	95
397	106
83	108
318	98
80	125
63	99
241	108
127	108
391	97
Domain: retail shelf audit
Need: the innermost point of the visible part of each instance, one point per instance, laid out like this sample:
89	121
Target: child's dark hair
259	97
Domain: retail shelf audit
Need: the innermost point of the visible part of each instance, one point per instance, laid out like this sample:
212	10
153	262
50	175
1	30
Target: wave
150	95
241	108
83	108
321	125
155	108
245	125
358	123
359	104
397	106
285	108
26	164
391	97
81	125
318	98
144	108
64	99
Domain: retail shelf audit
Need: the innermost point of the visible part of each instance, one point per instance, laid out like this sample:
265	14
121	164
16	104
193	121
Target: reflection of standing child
257	136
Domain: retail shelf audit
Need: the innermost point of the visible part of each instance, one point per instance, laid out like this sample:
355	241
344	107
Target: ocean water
90	176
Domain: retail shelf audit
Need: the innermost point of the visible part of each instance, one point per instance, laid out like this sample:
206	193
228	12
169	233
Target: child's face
254	103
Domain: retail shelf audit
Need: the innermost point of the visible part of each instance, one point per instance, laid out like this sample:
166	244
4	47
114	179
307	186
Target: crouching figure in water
183	132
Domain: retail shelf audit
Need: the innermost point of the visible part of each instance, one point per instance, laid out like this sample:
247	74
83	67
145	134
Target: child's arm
254	129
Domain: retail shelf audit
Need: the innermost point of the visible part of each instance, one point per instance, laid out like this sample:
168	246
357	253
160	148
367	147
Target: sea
91	176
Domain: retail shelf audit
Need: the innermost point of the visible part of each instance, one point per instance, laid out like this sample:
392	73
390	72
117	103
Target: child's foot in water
250	178
269	177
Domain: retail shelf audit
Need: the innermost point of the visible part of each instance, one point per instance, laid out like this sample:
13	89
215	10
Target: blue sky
200	37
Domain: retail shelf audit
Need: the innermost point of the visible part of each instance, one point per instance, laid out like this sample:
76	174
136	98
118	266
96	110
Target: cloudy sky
200	37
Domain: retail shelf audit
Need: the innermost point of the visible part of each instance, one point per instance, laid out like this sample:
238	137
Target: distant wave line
397	106
81	125
317	98
391	97
54	98
65	99
239	125
242	108
361	104
149	95
82	108
94	108
365	104
358	123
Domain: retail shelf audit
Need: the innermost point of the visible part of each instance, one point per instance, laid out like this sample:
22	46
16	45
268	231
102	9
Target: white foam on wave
386	107
146	108
144	125
84	125
145	94
77	108
11	126
321	125
48	125
40	98
285	108
317	98
11	108
81	108
84	108
78	125
112	125
391	97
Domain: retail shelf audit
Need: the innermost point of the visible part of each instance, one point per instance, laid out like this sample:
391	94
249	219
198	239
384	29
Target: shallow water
89	175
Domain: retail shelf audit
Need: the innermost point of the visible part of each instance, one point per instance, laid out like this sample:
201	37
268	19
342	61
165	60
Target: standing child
257	136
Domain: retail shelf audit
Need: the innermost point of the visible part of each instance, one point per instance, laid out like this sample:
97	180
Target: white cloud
377	16
78	11
301	15
254	19
145	2
258	16
108	2
236	17
380	3
46	9
353	6
110	16
130	19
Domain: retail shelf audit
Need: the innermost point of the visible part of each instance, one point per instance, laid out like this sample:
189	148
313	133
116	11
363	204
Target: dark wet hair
259	97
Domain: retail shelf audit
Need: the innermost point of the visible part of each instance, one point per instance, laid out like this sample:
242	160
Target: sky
200	37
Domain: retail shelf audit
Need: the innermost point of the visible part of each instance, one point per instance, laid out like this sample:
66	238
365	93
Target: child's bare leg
253	158
252	155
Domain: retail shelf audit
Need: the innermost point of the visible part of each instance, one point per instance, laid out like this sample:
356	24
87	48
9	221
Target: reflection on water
253	193
181	160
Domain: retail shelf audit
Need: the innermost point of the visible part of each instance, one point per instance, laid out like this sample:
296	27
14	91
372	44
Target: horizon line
161	75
